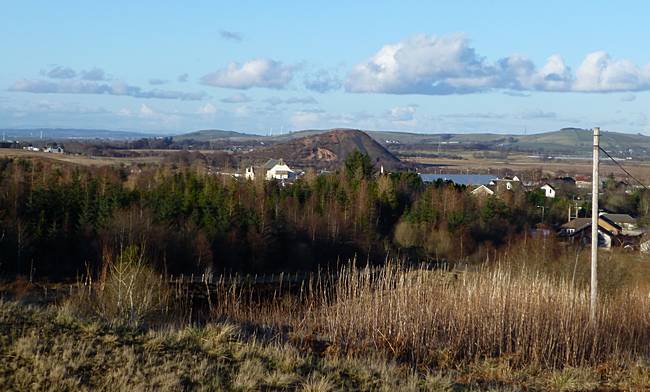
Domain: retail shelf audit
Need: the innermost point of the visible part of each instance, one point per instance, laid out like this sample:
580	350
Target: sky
280	66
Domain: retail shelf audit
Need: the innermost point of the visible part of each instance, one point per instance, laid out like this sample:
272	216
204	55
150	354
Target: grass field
503	328
80	159
521	162
50	349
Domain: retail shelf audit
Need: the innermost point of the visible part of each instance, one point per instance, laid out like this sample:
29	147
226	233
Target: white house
482	191
250	173
507	182
278	170
54	149
549	191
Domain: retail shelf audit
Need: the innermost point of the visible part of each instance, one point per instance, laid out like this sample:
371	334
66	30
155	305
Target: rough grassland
49	349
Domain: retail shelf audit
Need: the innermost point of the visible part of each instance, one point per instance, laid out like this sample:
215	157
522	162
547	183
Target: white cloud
59	72
600	73
555	75
322	81
208	108
95	74
237	98
422	65
146	111
440	65
255	73
402	113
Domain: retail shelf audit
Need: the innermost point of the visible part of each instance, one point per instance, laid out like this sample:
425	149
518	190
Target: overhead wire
621	167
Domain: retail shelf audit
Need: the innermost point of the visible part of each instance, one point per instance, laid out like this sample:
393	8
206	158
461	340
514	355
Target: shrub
130	294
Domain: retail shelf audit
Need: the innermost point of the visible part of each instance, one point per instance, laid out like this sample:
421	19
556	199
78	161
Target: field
504	328
517	163
79	159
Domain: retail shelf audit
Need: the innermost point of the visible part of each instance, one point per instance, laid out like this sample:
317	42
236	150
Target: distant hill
208	135
574	141
72	133
329	149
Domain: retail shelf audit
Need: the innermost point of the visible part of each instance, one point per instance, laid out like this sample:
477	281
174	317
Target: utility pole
543	208
594	226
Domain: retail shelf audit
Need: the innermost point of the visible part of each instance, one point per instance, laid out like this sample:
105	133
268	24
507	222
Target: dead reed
444	319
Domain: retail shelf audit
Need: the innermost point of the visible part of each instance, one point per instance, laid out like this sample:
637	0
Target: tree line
59	220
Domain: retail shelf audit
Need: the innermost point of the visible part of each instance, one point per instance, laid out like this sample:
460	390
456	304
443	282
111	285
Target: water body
460	179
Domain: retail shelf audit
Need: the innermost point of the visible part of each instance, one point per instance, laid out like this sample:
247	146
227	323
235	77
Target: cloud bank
88	87
237	98
255	73
65	80
322	81
441	65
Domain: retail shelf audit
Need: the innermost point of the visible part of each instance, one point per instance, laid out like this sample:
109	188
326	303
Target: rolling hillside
566	141
207	135
329	149
573	141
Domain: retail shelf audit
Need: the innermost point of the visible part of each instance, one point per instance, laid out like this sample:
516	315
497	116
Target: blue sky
461	66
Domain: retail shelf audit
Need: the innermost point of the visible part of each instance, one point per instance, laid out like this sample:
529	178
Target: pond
460	179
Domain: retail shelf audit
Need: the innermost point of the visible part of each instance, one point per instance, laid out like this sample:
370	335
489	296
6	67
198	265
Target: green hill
574	141
207	135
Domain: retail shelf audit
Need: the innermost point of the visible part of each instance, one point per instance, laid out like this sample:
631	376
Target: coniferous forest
60	221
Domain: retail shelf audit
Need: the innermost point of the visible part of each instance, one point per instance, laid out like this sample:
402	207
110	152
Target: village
615	230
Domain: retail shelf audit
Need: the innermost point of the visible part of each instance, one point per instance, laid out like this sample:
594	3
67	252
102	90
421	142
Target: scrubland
503	325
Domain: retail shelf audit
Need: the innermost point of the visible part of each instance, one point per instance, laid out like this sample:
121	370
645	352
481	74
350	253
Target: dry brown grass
528	319
50	349
448	319
518	322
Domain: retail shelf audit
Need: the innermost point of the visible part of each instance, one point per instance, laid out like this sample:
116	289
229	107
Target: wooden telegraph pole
594	226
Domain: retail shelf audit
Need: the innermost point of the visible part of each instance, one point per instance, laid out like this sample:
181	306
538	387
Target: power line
622	168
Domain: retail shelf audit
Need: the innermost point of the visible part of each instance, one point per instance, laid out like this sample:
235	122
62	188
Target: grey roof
577	224
272	162
620	218
580	224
